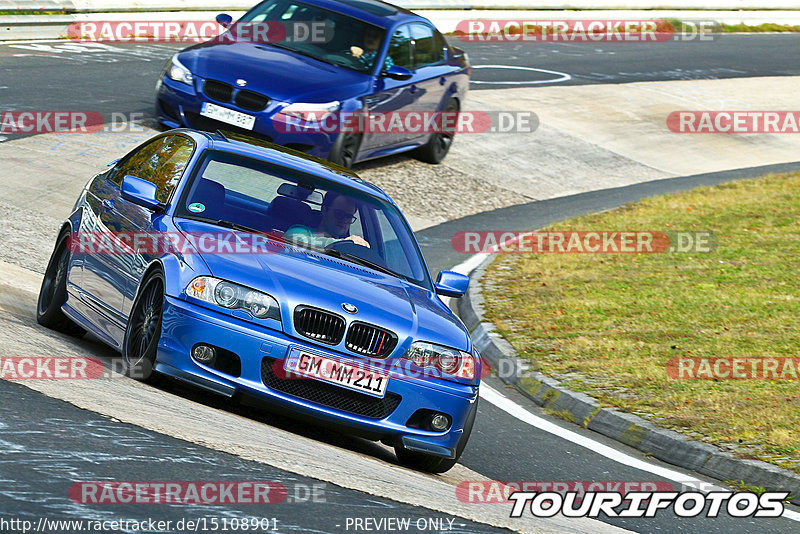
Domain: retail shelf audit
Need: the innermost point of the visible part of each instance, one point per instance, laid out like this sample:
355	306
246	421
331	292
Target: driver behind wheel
367	55
338	214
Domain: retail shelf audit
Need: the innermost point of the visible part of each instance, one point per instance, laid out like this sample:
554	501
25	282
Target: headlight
234	297
178	72
448	361
311	112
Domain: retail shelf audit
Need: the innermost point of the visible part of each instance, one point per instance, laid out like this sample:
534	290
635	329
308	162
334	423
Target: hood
297	278
280	74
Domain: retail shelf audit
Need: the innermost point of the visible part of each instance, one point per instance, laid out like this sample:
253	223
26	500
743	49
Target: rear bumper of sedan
178	105
258	349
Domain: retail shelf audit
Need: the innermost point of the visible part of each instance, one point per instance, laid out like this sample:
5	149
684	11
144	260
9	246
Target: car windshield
302	210
320	33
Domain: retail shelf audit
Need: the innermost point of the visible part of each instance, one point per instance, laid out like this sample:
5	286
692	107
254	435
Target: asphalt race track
88	446
101	449
725	56
120	77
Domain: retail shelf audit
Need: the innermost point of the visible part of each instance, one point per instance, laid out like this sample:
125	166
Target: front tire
438	145
436	464
53	293
345	149
140	346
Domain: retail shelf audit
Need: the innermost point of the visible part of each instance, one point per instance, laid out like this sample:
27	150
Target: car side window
270	10
165	167
440	46
134	161
426	50
400	47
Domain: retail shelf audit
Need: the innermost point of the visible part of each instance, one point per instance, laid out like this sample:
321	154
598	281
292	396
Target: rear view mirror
140	192
224	20
396	72
451	284
300	193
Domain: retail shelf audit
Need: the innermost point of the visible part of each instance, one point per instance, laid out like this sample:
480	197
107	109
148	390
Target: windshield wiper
361	261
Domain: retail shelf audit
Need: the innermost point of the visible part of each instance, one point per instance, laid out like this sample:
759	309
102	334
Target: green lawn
608	324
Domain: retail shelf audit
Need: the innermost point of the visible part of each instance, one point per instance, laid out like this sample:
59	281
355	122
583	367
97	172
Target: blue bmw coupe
351	56
249	269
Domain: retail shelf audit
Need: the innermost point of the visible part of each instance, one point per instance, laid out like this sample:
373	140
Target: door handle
108	205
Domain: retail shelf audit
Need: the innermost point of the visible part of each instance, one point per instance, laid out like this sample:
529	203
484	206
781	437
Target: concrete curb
586	411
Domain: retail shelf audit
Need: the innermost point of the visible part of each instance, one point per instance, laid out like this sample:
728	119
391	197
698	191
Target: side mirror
140	192
396	72
451	284
224	20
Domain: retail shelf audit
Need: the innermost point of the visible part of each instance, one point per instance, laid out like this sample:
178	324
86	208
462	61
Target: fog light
439	422
204	354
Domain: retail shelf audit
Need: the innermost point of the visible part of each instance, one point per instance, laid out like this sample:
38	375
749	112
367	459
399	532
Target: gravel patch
436	193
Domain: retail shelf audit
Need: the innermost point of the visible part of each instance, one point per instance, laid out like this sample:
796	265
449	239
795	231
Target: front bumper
186	324
178	105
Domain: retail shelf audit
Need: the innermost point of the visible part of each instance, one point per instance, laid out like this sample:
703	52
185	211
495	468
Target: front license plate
336	372
228	116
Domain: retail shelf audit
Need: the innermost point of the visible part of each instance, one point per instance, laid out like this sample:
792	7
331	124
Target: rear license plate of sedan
228	116
335	372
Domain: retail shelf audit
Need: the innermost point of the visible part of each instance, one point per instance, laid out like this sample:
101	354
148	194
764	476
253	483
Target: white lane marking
563	76
465	267
471	264
512	408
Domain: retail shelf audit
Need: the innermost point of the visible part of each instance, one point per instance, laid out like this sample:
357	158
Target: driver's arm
303	235
358	240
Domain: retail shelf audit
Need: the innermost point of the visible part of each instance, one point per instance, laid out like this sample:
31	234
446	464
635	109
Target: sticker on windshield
197	207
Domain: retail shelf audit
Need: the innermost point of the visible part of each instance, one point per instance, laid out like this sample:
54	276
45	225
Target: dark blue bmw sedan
252	270
330	56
